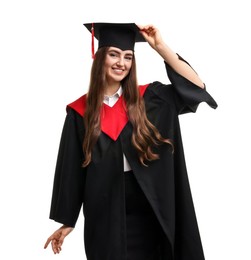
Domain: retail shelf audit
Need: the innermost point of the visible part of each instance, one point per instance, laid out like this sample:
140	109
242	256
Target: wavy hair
145	135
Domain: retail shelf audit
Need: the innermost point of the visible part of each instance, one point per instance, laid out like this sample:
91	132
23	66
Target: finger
150	30
56	248
57	244
148	27
47	243
61	240
53	246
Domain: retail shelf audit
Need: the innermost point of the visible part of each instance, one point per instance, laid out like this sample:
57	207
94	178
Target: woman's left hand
151	35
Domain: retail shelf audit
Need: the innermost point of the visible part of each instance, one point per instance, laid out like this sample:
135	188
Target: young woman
121	155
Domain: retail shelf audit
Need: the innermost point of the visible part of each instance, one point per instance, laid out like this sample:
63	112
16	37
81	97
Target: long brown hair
145	135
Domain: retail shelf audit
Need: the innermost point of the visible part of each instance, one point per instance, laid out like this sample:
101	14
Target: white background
45	58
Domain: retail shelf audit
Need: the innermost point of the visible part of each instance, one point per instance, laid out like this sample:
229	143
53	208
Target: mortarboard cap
120	35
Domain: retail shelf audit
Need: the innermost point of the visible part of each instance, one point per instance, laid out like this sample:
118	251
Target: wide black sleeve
68	186
188	95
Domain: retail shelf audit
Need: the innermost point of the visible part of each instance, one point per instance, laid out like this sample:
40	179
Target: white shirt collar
111	100
117	93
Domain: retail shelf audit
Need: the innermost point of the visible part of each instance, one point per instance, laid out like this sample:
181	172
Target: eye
113	54
129	58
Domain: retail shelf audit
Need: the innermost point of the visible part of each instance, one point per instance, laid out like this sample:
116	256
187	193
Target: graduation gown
99	188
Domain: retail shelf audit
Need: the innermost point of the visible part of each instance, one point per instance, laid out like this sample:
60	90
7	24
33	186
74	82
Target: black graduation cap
120	35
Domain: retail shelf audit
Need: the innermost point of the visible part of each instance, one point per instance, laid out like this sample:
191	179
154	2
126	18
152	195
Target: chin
117	78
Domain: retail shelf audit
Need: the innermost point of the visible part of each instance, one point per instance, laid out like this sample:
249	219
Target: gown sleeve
68	186
185	95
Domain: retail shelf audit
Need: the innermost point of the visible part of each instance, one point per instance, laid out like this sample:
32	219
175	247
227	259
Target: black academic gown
100	186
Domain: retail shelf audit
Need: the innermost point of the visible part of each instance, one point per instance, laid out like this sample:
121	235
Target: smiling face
117	65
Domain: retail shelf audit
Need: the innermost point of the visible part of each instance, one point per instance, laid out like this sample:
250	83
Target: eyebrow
127	54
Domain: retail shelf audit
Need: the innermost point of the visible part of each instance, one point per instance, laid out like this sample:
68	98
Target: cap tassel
92	29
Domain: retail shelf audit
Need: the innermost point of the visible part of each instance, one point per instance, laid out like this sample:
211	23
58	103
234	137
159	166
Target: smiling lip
117	70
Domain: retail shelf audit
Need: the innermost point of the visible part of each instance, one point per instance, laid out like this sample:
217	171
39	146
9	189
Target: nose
120	62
